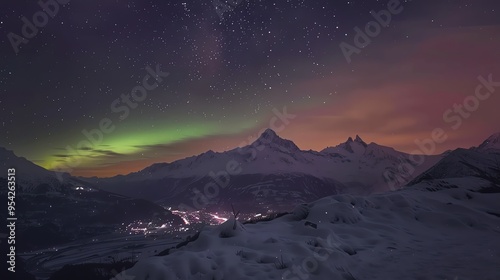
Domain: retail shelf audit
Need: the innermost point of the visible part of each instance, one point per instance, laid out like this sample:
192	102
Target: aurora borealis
227	75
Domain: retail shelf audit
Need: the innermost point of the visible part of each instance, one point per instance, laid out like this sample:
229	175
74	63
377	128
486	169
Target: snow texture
441	229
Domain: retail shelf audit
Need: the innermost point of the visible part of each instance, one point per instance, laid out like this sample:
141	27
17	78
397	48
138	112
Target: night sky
227	75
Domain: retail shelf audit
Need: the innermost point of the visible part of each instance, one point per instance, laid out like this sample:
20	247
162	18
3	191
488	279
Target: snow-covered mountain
260	169
270	154
482	162
491	144
371	164
31	176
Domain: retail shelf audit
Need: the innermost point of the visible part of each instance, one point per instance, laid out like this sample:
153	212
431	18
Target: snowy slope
482	162
442	229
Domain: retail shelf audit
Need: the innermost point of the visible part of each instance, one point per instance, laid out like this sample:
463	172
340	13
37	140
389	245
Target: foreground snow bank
438	230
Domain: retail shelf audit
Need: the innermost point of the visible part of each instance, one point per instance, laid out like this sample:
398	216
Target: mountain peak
268	134
7	154
360	141
493	142
5	150
270	138
356	140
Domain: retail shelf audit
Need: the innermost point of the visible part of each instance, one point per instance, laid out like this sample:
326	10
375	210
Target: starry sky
230	69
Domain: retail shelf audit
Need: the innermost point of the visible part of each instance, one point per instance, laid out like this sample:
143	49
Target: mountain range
274	171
